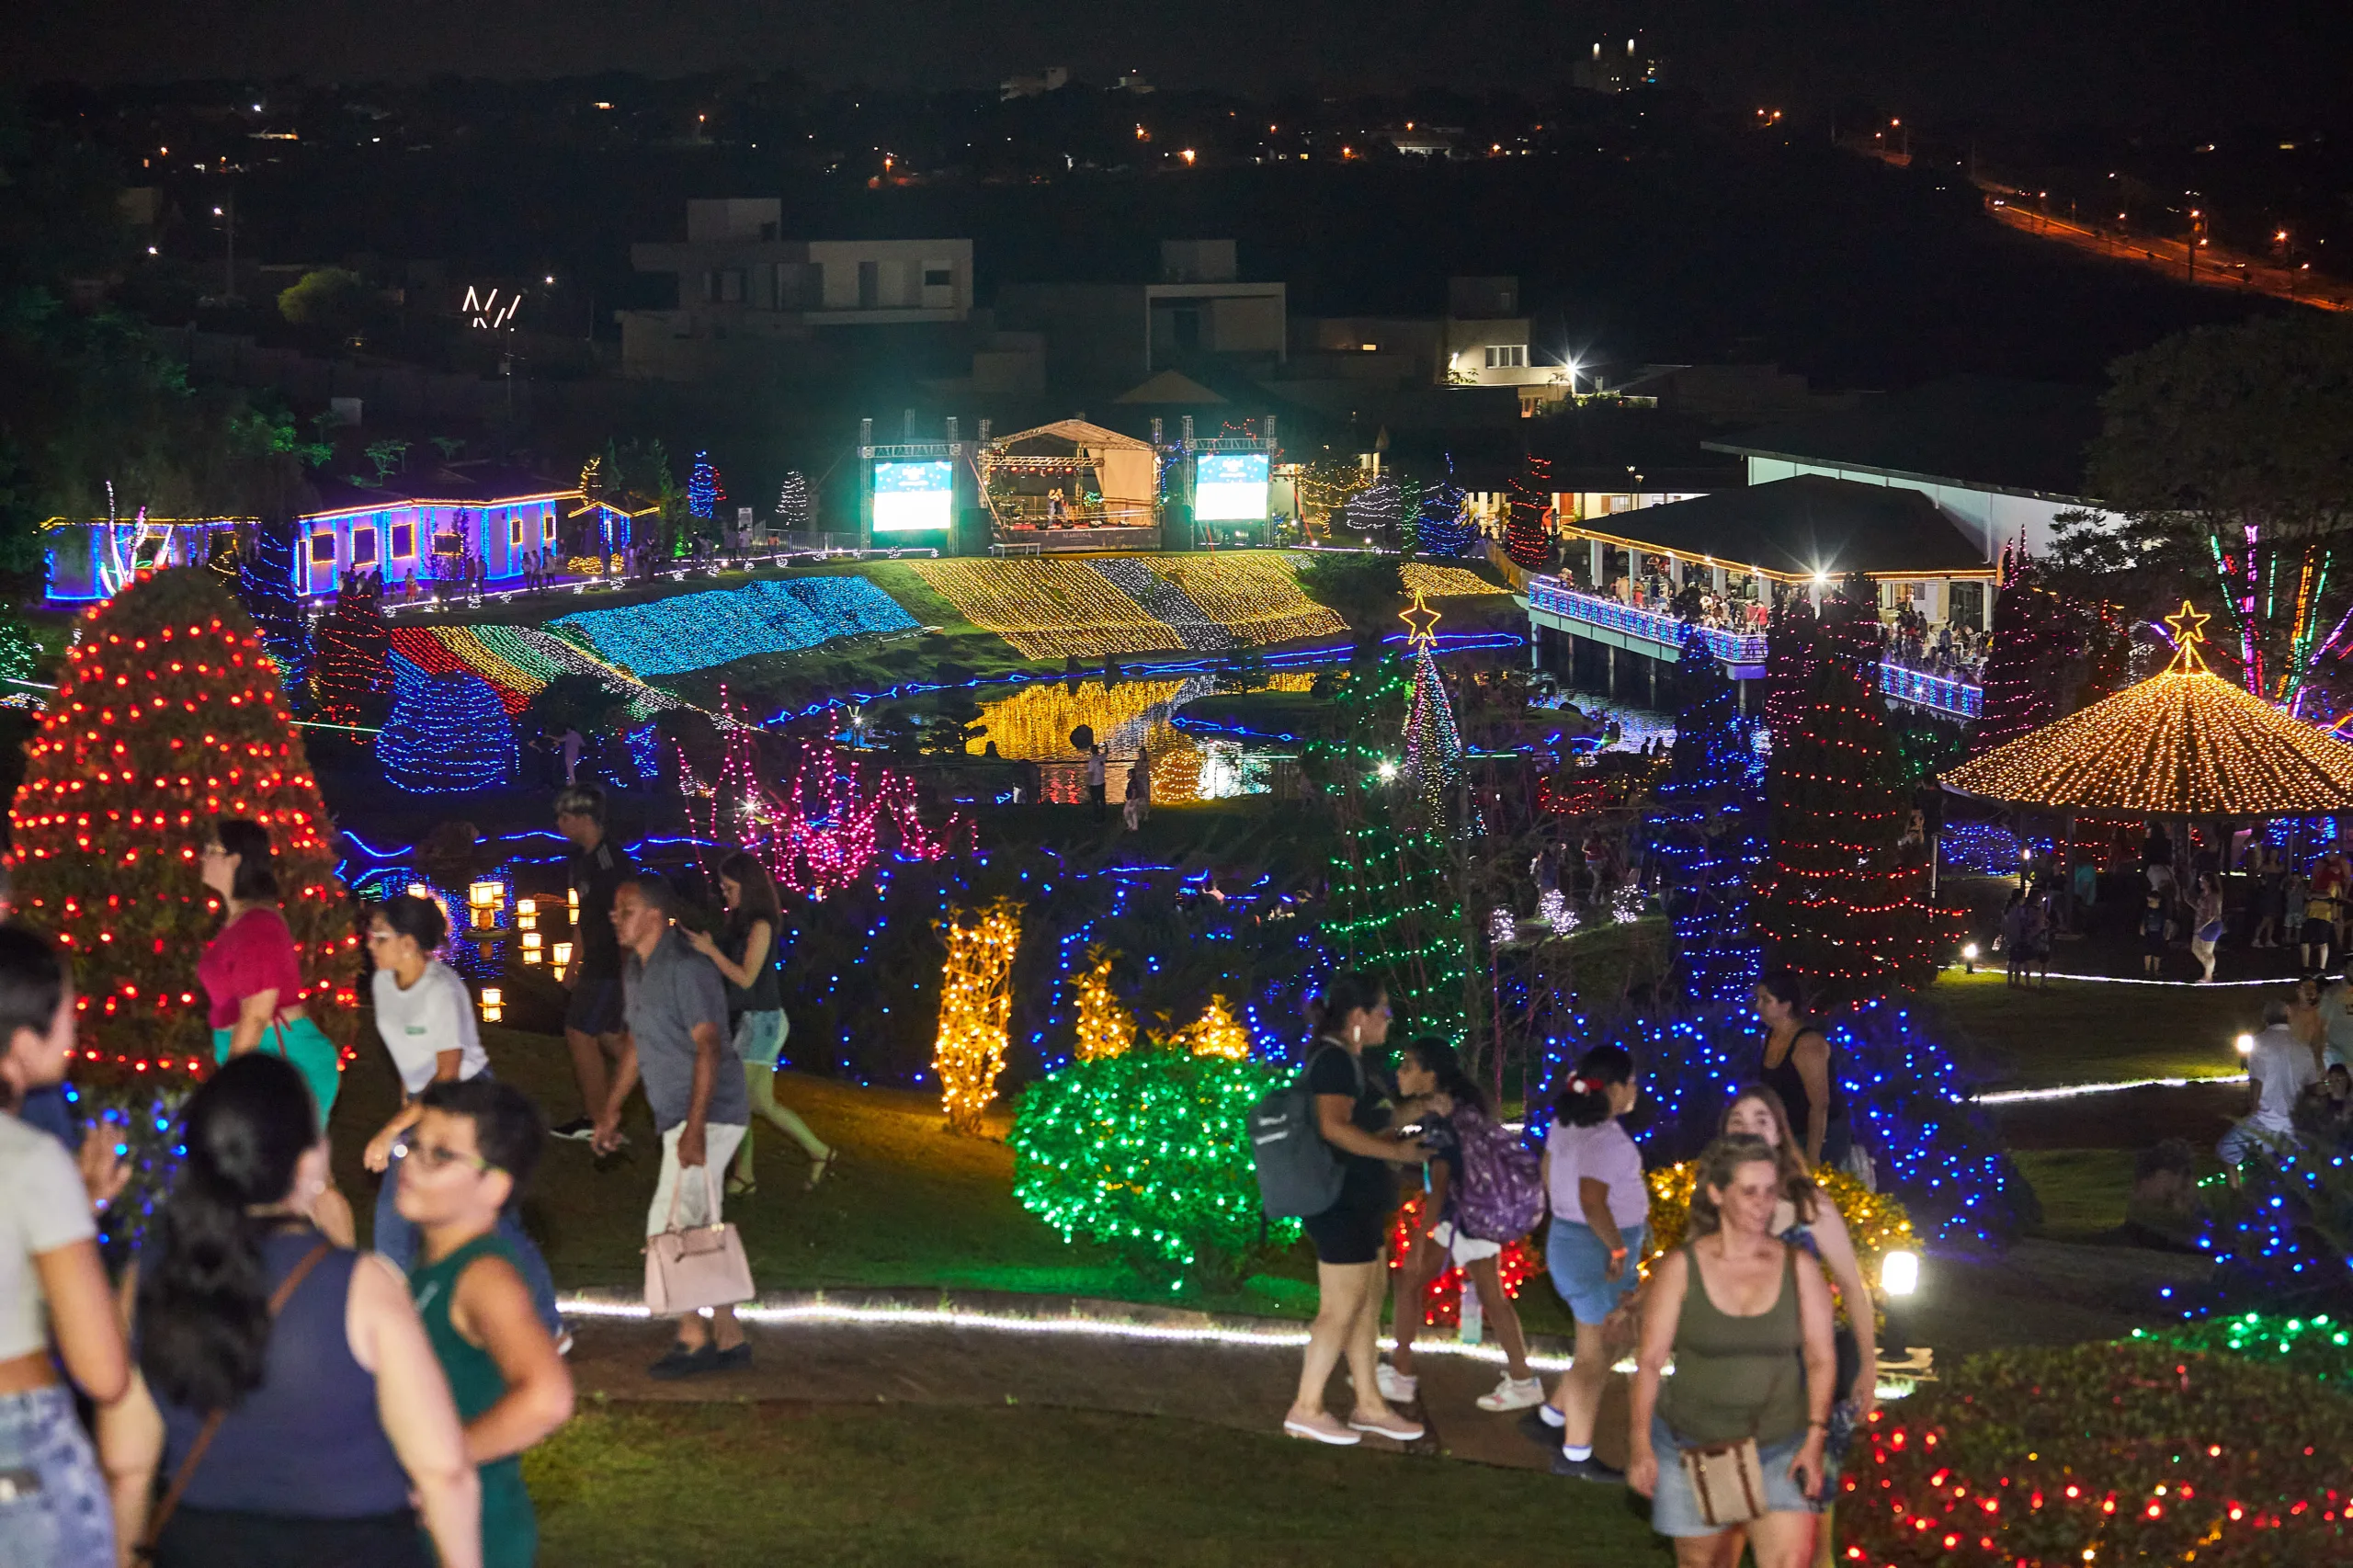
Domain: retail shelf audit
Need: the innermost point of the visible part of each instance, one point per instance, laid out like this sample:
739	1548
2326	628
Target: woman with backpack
1354	1120
1601	1208
1469	1139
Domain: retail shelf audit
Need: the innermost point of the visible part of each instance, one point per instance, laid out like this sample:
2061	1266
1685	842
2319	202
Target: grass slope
2078	1031
638	1486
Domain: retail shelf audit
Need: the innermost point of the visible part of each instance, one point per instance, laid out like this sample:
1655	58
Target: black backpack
1299	1173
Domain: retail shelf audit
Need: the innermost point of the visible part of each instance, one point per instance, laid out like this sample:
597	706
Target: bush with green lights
2129	1453
2320	1347
1147	1154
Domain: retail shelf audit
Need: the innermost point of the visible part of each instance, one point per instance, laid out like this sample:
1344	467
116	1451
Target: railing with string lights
1548	595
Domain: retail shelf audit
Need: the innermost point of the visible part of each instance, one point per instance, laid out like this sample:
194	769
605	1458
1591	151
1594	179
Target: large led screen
1230	487
912	497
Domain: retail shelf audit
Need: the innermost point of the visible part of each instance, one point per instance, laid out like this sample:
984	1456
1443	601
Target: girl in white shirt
1593	1176
425	1016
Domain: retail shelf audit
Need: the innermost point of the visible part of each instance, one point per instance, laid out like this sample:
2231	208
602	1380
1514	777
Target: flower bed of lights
520	660
1442	1296
1147	1152
1166	603
1047	609
2319	1346
1255	595
975	1010
2099	1454
695	631
1905	1089
1434	582
168	714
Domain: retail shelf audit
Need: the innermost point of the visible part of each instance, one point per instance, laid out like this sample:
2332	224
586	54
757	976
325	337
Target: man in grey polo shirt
677	1011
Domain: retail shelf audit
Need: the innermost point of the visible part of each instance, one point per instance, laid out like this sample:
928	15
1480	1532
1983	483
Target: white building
2001	459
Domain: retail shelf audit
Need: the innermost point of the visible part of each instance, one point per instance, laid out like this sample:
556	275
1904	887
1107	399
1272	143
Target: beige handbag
698	1266
1728	1481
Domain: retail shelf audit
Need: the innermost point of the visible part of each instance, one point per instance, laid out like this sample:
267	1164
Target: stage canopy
2182	744
1127	469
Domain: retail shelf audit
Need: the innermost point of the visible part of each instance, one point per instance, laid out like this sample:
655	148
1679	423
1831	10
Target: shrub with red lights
1442	1297
169	715
351	672
2134	1453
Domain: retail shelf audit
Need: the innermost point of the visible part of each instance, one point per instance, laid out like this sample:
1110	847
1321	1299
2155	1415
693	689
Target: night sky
2164	65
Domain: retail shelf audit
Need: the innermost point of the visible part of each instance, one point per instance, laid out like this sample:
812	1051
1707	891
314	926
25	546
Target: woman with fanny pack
1734	1443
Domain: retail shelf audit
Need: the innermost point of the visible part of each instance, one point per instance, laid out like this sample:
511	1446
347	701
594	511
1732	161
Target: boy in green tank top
463	1163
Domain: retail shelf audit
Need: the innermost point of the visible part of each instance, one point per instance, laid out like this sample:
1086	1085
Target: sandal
740	1187
820	1169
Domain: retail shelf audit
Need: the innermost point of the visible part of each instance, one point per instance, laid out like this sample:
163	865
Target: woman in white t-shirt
1593	1178
56	1512
425	1016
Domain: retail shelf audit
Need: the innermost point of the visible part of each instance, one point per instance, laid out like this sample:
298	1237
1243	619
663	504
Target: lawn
640	1486
2080	1031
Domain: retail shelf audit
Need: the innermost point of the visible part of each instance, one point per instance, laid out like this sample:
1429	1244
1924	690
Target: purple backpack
1503	1186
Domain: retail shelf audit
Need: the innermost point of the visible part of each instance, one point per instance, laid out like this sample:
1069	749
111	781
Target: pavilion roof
2183	743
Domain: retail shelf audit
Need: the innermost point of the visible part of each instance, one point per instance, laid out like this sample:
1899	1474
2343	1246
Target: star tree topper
1421	623
2188	625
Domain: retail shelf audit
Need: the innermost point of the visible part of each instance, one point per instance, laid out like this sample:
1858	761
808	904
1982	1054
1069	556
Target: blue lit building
424	524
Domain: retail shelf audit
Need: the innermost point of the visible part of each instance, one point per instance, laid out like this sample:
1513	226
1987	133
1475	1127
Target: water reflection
1033	723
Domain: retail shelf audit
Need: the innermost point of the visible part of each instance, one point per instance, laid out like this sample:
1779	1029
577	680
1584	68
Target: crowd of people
263	1392
1742	1445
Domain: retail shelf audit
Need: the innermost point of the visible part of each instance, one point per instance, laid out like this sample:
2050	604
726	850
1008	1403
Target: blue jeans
397	1240
59	1515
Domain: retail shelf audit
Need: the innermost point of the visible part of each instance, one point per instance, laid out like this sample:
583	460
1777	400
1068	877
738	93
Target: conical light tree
351	676
1837	904
168	715
1705	831
265	588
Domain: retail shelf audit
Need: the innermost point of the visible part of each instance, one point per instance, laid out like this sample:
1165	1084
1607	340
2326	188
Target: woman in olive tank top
1749	1332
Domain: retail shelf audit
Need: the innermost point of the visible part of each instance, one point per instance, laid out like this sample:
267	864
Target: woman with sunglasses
425	1016
472	1147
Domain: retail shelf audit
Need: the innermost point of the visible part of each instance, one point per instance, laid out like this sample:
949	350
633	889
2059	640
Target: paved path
1170	1366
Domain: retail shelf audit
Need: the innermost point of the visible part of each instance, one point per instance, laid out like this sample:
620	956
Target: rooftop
1804	527
470	483
1983	432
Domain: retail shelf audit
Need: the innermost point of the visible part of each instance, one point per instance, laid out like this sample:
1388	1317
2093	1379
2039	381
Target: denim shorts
55	1511
759	1037
1579	1262
1675	1509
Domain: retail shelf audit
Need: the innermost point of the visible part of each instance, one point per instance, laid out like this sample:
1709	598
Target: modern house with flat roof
745	290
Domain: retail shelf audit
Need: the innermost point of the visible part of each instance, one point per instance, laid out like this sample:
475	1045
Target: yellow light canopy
2184	742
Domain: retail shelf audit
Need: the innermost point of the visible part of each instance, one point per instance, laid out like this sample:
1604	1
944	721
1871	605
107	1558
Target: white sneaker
1398	1388
1514	1393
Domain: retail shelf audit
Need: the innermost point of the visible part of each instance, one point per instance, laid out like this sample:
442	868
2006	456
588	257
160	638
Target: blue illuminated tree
1443	527
448	733
266	588
1705	831
704	489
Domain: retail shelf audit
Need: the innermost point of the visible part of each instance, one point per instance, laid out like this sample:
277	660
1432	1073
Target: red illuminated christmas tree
351	673
168	715
1838	902
1527	537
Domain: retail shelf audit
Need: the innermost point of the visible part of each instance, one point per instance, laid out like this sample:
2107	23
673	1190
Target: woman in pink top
252	974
